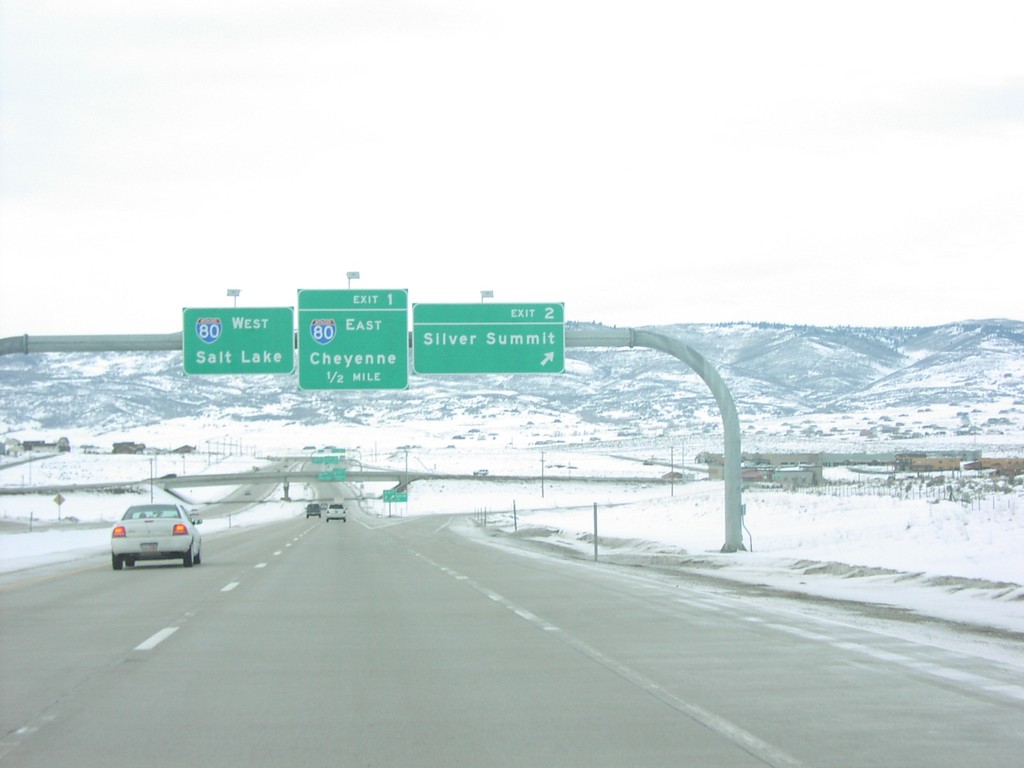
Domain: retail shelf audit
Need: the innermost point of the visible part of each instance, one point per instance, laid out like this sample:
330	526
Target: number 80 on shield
322	331
208	329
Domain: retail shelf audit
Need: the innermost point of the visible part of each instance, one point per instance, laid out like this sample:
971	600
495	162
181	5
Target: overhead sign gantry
383	360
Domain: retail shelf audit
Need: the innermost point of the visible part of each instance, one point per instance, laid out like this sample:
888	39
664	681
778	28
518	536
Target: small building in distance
63	445
131	448
923	462
1007	467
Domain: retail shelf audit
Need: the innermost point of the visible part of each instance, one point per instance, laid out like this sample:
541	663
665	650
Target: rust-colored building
1007	467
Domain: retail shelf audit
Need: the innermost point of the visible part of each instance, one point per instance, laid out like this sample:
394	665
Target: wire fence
973	491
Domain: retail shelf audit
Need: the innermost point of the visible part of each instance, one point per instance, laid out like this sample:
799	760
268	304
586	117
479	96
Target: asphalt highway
402	642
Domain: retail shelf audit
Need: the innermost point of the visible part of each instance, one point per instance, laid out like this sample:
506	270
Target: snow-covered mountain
773	371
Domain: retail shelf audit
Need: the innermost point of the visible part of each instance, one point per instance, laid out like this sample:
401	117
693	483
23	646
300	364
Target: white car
155	532
337	511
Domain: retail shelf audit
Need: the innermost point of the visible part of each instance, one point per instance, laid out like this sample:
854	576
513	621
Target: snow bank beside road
908	535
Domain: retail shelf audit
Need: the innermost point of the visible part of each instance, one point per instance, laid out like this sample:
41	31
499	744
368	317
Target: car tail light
180	529
119	532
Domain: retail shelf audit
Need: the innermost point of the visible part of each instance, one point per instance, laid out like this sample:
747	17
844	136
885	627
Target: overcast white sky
645	162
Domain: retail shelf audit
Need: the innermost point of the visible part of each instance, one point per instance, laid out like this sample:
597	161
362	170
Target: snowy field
951	559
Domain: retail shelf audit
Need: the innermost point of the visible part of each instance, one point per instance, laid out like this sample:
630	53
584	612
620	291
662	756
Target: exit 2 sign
488	338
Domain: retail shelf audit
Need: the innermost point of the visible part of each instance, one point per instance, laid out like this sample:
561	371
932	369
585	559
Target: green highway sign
395	496
338	473
350	339
327	458
488	338
236	340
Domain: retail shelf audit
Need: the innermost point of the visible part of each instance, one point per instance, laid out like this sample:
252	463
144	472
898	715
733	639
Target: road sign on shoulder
488	338
233	340
351	339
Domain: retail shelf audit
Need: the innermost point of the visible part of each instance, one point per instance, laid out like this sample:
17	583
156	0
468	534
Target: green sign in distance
232	340
395	496
488	338
327	458
351	339
338	473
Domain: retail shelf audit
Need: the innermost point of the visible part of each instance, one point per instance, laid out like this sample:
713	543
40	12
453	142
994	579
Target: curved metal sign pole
133	342
629	337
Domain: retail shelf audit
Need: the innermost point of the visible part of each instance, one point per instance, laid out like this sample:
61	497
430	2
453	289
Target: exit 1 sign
353	339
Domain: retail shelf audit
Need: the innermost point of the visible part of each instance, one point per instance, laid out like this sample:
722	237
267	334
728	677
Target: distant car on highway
313	509
336	511
155	532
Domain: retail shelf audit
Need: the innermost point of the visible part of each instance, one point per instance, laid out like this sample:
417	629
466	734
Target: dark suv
313	508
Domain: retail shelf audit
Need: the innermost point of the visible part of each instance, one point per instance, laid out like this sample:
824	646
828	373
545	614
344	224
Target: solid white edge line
745	740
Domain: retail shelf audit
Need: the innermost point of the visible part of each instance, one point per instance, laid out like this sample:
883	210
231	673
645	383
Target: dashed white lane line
229	587
155	640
